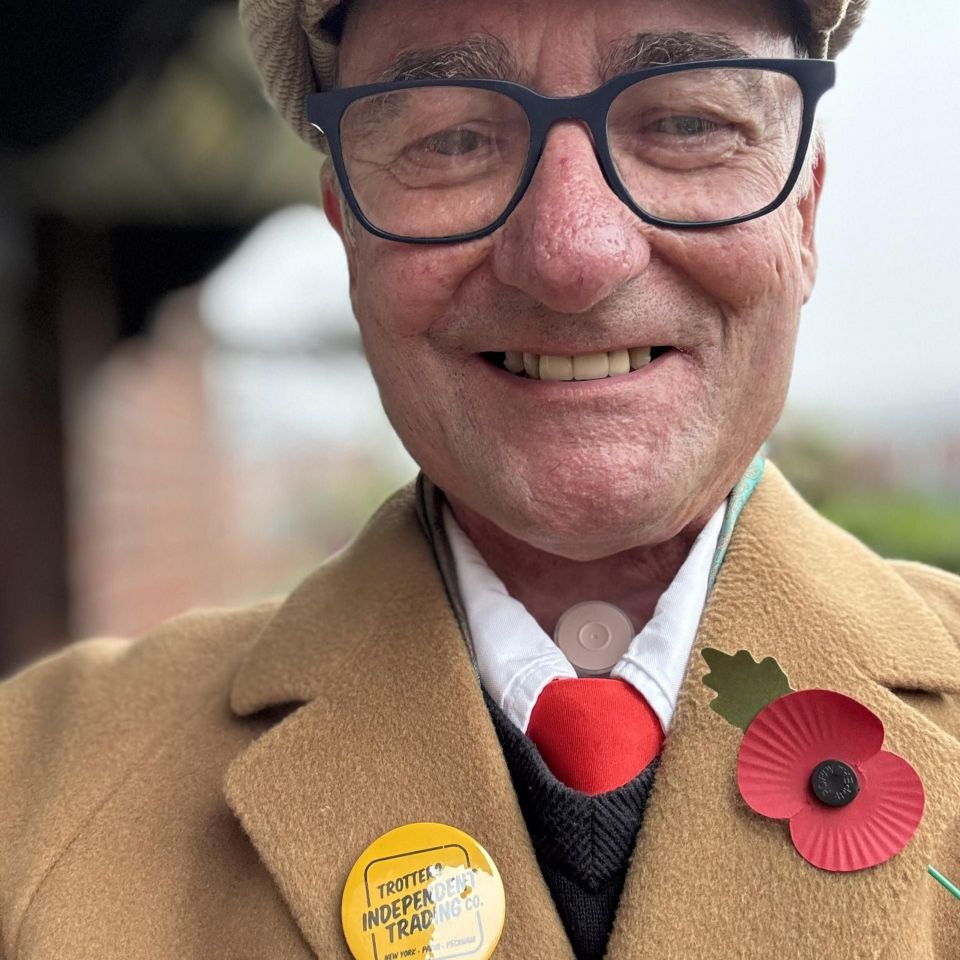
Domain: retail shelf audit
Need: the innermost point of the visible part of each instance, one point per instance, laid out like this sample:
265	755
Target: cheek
403	290
752	266
753	274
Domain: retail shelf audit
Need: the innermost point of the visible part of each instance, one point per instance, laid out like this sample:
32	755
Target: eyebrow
473	58
662	49
487	56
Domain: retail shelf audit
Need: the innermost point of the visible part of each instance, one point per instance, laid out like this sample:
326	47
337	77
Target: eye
452	143
685	126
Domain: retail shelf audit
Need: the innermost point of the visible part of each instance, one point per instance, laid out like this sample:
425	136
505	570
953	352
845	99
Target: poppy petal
794	733
871	829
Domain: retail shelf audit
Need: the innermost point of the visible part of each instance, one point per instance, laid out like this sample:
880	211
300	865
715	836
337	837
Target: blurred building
220	459
136	154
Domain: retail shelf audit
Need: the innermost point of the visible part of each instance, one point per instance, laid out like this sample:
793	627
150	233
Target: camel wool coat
202	792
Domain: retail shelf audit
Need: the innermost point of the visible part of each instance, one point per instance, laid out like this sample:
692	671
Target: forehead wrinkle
661	49
480	57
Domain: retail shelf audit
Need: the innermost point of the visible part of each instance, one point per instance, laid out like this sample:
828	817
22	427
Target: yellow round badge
423	890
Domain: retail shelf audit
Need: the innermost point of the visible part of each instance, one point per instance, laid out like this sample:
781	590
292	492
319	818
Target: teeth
513	361
619	362
591	366
584	366
556	368
639	357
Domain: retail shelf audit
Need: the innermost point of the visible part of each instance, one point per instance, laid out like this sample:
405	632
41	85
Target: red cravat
594	734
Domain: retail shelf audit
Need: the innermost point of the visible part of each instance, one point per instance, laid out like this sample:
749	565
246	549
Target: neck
548	584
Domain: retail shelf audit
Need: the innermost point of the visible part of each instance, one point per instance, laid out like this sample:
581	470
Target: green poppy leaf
744	687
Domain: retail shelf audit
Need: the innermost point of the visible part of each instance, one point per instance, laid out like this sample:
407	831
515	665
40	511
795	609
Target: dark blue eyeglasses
687	145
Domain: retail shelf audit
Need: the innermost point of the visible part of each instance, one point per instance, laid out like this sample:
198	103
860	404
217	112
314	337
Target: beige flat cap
296	55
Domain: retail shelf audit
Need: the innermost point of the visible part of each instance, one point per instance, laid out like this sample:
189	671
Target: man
581	317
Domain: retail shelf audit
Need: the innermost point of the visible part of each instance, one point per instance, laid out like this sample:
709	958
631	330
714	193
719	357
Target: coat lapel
835	616
389	727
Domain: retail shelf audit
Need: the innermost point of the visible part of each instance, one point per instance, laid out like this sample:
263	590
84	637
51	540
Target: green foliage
744	687
907	526
881	503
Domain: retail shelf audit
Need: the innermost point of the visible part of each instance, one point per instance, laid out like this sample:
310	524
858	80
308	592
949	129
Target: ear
807	205
333	208
331	200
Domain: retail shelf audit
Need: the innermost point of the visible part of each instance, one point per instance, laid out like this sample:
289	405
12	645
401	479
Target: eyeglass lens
690	146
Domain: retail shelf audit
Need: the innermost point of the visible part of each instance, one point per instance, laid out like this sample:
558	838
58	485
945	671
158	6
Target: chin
578	541
583	513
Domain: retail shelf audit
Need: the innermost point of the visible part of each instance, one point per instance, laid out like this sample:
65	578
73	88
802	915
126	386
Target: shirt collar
516	659
515	670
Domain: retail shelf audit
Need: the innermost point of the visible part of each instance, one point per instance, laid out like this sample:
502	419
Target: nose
570	242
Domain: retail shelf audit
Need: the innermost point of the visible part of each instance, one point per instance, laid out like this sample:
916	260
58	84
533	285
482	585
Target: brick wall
164	516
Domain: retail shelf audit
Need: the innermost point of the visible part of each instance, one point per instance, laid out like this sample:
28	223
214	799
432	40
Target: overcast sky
883	326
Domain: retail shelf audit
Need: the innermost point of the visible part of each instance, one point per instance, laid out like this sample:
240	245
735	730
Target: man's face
580	468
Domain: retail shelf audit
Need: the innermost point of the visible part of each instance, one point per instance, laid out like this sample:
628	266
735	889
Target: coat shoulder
939	589
939	592
75	723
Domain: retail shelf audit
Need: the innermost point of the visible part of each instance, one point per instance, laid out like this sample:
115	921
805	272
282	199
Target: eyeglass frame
325	111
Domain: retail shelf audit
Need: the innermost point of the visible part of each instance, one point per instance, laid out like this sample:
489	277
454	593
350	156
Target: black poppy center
834	783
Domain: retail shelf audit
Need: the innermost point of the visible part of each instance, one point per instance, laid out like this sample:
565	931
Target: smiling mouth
583	366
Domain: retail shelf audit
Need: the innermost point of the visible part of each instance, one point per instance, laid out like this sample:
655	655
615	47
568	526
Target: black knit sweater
583	843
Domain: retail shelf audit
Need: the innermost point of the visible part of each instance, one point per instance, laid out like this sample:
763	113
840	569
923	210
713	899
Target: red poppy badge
816	758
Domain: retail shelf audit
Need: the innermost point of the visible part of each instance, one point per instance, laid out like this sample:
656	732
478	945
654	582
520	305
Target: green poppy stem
940	878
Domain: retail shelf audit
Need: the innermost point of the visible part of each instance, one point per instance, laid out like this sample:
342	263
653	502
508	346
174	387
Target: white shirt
516	659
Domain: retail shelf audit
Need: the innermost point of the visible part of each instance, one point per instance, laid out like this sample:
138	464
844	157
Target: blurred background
186	414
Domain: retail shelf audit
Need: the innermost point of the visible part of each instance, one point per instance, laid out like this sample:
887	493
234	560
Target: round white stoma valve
593	636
